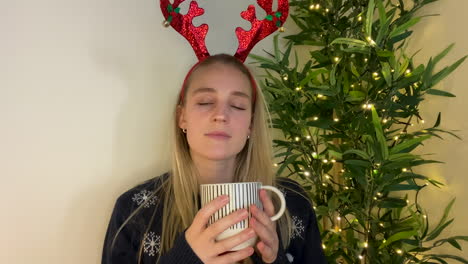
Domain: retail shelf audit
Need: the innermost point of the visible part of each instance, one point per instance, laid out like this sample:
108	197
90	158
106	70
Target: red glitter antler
247	39
183	24
260	28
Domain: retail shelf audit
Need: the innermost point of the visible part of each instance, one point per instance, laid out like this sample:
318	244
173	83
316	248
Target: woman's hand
202	239
265	228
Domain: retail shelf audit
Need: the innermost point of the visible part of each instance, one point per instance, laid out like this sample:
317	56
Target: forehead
220	78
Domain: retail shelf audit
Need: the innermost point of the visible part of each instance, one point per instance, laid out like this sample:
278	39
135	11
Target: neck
214	171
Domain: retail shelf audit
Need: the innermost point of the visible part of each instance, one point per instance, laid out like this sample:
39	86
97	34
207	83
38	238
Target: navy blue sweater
305	245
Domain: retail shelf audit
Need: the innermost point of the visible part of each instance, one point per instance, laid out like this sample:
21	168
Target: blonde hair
253	163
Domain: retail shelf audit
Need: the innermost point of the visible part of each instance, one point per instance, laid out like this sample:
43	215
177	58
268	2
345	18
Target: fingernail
243	212
224	198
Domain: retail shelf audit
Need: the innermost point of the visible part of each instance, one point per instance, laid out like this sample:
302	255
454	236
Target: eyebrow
212	90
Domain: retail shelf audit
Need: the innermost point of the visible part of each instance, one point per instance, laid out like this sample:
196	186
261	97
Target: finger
262	217
224	223
267	203
267	253
266	235
229	243
202	217
235	256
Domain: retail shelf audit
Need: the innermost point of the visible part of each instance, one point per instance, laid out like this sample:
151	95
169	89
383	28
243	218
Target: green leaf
312	75
379	134
398	236
442	220
386	73
355	96
437	123
261	59
408	144
382	13
439	93
354	70
288	161
400	37
335	154
392	203
400	29
285	61
446	71
349	41
370	18
360	153
443	53
384	53
402	68
332	76
401	187
455	244
360	163
457	258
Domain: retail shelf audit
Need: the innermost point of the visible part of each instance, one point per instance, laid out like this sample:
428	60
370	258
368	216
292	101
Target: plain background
86	95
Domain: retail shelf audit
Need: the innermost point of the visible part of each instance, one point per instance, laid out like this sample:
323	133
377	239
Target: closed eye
239	108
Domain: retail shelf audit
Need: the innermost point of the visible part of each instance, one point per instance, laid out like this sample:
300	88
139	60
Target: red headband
247	39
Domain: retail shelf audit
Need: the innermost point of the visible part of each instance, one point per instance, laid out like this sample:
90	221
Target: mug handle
281	197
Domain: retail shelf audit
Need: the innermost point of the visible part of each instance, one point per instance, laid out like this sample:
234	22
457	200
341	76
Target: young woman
220	135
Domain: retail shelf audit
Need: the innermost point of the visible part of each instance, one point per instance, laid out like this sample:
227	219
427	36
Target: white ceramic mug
241	195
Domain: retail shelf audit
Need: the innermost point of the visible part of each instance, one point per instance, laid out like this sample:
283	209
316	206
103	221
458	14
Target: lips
218	134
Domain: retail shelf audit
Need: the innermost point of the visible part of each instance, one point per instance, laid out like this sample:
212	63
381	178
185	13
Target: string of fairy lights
316	7
366	106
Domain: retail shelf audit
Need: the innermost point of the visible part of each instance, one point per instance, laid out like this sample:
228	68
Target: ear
250	126
181	117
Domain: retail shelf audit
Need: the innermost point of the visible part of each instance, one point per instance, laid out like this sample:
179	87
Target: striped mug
241	195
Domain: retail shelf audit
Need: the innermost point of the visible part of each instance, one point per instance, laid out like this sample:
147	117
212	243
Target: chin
219	156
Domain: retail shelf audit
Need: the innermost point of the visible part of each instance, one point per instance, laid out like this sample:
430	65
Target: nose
220	114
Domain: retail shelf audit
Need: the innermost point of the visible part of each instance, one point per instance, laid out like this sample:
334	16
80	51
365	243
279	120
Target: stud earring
248	136
184	130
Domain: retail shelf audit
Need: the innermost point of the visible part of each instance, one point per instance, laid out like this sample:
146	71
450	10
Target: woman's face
218	100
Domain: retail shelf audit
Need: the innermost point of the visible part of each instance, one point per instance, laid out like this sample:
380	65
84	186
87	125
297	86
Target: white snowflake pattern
145	197
282	190
298	227
151	244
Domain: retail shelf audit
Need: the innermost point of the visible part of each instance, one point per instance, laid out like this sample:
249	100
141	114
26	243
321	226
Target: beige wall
85	94
433	35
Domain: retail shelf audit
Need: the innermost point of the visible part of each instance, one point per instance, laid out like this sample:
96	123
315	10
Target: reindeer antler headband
247	39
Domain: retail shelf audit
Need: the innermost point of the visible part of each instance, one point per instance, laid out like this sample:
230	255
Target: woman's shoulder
144	194
295	195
